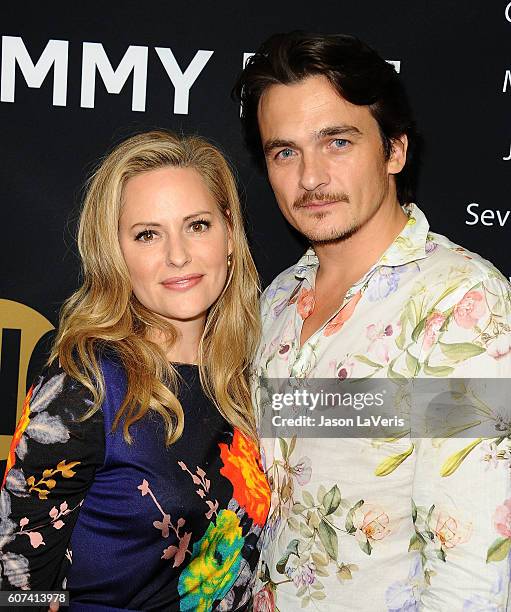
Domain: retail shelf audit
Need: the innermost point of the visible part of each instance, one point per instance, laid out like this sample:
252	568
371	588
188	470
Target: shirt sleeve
51	465
461	506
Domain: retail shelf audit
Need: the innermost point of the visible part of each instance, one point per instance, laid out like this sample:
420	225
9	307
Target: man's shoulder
451	255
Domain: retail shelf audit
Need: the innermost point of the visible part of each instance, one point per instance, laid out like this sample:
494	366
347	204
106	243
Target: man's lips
314	204
181	283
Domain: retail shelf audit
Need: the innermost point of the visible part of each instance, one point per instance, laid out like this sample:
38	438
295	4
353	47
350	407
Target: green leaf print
331	500
453	462
292	549
293	523
412	363
391	373
292	445
308	499
328	538
461	351
499	550
320	560
407	316
389	464
437	370
418	329
365	547
349	517
364	359
283	448
417	542
305	531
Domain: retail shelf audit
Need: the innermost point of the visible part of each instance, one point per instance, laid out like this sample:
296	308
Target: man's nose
314	173
177	253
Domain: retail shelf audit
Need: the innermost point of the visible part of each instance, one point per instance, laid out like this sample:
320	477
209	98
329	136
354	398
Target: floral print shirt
140	526
390	524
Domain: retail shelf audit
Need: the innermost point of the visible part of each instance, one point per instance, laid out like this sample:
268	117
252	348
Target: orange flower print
342	316
371	522
20	428
305	303
451	531
242	467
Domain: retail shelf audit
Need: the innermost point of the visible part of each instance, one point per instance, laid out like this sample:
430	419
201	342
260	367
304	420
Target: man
372	524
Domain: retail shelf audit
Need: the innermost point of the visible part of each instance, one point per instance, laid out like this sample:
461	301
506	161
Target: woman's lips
182	283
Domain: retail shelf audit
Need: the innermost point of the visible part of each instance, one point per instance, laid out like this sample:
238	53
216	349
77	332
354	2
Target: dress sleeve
462	485
51	465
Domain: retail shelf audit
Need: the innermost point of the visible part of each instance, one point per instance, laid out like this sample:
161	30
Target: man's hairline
383	137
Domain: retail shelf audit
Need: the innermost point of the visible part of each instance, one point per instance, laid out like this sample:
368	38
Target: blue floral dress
137	527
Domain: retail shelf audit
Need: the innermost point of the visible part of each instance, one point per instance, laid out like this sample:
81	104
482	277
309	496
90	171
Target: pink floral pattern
470	309
177	553
432	329
342	316
502	519
426	309
305	304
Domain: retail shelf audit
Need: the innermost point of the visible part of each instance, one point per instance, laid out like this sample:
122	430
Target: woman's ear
230	244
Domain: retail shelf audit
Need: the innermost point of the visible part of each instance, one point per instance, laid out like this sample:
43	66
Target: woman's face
175	242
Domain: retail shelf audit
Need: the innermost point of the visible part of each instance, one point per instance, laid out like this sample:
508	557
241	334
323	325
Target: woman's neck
185	348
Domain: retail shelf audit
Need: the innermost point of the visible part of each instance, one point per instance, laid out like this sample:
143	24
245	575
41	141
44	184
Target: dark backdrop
455	58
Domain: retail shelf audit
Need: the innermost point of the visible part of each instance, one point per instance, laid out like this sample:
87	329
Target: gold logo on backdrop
32	327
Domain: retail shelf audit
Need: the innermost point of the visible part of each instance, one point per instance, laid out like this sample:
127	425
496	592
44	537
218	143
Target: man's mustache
308	197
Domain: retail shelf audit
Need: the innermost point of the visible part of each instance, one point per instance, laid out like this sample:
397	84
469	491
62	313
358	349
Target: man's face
325	159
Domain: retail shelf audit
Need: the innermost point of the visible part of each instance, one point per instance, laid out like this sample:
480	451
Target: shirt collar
409	246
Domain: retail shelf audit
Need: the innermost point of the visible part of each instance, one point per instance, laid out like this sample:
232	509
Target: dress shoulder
51	464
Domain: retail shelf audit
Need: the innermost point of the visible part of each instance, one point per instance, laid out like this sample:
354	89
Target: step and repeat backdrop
78	77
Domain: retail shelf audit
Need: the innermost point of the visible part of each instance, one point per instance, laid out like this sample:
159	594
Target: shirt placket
304	356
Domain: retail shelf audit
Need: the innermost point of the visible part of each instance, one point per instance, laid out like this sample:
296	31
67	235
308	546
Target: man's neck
346	261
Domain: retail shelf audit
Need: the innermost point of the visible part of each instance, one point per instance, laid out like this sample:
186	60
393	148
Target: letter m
507	81
54	55
134	60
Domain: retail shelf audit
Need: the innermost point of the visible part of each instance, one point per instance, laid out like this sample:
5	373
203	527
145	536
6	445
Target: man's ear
397	159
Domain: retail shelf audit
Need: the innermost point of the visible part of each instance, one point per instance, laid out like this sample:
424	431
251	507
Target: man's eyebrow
277	143
332	130
338	130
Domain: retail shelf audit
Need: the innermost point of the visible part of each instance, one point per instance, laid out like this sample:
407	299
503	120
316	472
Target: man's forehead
308	106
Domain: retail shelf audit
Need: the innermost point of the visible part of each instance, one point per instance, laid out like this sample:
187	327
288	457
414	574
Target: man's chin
331	235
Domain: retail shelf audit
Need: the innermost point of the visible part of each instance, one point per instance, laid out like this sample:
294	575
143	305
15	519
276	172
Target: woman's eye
145	236
198	227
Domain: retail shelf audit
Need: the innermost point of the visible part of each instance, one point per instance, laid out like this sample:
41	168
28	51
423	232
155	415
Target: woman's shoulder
55	391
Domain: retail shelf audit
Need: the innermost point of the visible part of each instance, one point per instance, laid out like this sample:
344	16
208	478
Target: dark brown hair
356	72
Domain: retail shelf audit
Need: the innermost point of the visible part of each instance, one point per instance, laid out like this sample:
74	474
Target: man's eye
284	154
340	143
145	236
200	226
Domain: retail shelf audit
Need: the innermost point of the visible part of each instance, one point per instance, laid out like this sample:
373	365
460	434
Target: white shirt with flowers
390	525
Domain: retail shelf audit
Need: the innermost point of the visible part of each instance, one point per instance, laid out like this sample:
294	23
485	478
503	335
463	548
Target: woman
134	479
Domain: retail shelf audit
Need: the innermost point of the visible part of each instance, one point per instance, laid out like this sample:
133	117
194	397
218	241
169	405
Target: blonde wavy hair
104	313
